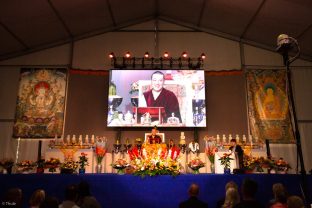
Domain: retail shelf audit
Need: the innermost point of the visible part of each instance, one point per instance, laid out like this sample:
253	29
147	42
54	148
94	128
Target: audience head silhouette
295	202
14	195
280	193
249	188
84	189
50	202
230	184
71	193
37	198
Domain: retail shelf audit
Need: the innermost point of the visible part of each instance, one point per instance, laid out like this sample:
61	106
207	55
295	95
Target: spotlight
202	56
146	55
184	54
111	55
128	55
166	54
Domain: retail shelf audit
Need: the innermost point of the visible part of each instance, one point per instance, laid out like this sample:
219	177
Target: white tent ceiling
32	25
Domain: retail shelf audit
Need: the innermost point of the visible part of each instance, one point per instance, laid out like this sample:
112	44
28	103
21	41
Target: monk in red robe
154	138
161	97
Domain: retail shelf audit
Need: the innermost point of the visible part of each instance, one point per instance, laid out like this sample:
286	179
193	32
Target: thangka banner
40	103
268	106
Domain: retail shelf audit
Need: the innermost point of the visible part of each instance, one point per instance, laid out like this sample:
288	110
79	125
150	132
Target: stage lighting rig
164	62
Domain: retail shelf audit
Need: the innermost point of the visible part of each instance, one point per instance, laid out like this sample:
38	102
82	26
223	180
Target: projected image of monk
158	96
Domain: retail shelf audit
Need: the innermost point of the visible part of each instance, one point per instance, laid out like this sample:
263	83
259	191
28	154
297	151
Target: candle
74	139
87	139
92	139
127	141
224	138
80	139
68	139
237	138
218	138
244	138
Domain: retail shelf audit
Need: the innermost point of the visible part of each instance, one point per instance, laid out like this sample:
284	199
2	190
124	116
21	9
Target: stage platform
114	191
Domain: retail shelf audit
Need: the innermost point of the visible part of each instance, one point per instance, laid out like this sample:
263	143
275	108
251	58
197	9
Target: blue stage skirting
115	191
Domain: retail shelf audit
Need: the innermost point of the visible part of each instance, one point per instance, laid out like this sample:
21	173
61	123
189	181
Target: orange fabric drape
224	73
105	72
89	72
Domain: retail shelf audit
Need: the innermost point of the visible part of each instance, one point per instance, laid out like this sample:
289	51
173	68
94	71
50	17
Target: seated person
153	138
158	96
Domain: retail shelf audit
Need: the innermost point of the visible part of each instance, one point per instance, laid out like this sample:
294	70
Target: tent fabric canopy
28	26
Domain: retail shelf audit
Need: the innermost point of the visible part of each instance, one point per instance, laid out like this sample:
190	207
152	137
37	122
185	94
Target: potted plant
226	162
83	162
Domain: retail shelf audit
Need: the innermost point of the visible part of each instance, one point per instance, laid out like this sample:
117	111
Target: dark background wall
86	109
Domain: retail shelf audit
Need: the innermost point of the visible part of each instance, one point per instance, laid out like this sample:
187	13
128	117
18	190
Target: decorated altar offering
196	164
51	164
152	160
120	165
6	165
69	167
25	166
281	166
253	164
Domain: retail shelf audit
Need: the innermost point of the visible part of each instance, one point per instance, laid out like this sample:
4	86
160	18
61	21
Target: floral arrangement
25	165
134	87
120	165
100	149
83	160
210	148
6	163
259	163
69	164
281	165
152	160
255	163
196	164
52	164
226	160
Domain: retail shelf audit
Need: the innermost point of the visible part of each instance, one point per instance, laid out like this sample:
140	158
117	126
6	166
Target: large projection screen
165	98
